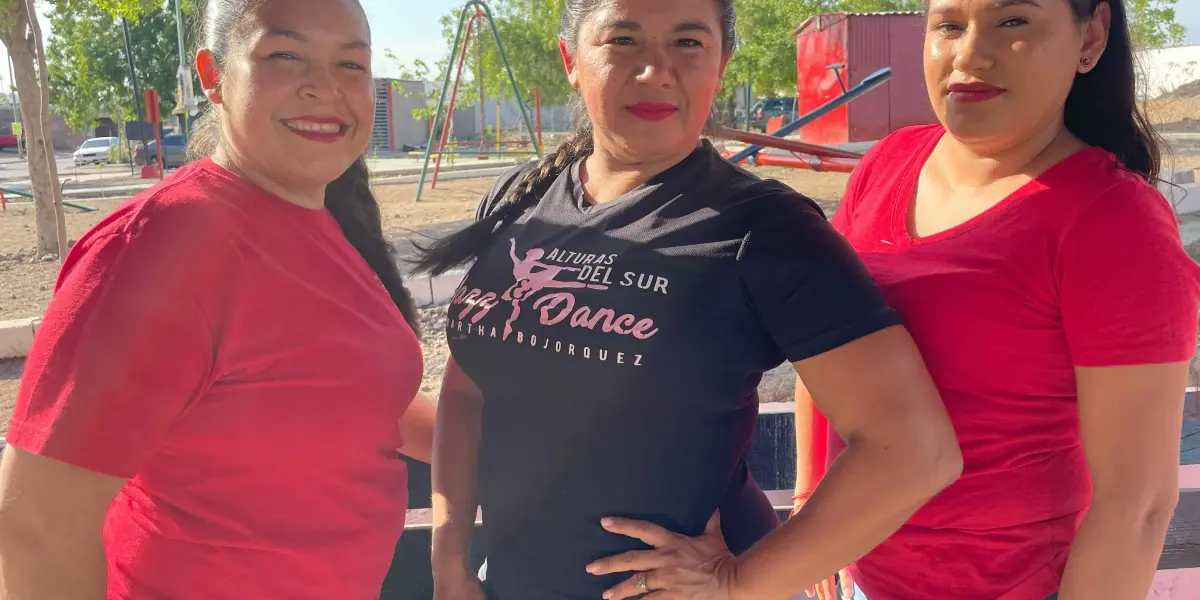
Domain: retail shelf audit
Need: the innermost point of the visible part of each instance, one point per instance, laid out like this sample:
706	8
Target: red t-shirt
1082	266
232	355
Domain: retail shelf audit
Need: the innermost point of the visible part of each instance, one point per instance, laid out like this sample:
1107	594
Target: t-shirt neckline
906	196
673	174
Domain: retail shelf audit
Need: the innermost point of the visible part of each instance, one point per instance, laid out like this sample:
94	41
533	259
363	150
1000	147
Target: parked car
174	156
96	151
771	107
7	139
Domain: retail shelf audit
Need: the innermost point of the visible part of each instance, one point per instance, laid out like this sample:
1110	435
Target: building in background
859	45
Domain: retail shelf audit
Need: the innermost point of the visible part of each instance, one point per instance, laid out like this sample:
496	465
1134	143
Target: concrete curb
447	176
16	336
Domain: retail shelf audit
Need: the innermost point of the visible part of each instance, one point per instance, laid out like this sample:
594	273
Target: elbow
1149	511
943	463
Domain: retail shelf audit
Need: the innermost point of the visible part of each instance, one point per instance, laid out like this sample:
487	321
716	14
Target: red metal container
861	44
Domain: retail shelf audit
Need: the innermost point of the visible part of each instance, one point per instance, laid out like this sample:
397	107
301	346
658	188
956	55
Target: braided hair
464	246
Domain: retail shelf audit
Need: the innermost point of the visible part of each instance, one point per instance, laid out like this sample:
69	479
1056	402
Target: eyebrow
1011	3
680	28
300	37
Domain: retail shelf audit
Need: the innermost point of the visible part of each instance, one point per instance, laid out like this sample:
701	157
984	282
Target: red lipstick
317	128
974	92
653	111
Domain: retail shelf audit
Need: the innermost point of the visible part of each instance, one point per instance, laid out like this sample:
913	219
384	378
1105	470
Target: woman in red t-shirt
1042	275
214	400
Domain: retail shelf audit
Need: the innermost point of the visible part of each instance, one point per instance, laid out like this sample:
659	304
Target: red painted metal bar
835	165
462	60
786	144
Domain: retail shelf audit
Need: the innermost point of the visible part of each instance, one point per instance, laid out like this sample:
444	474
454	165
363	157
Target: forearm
1115	553
455	454
867	494
34	565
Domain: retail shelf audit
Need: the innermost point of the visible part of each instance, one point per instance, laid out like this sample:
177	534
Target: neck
968	164
607	175
311	198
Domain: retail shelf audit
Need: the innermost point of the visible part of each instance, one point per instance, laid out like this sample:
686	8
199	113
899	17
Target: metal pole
12	88
137	93
184	70
437	114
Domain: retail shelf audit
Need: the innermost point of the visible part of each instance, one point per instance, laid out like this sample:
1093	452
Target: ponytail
1102	107
352	203
464	246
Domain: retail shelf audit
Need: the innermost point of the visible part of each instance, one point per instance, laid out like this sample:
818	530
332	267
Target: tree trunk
23	41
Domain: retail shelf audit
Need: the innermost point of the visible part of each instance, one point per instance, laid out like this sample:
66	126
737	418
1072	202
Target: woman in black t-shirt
627	294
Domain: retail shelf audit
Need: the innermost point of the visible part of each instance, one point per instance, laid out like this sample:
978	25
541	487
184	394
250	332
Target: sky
414	31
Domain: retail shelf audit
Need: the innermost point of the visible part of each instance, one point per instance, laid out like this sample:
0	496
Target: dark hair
348	198
1102	108
464	246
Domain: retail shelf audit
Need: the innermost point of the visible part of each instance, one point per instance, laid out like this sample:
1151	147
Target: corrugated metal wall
865	43
821	42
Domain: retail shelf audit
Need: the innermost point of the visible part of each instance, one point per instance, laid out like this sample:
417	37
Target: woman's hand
678	568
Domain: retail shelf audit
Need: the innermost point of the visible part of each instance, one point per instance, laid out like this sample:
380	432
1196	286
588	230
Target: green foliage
86	61
1152	23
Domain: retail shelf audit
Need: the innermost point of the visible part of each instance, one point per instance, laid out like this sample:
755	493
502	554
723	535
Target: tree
1152	24
22	36
88	66
765	57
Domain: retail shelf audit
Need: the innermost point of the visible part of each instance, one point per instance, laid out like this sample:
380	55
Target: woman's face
296	95
648	71
998	71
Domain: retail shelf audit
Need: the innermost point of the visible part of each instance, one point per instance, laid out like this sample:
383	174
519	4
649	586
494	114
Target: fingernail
607	522
591	568
606	595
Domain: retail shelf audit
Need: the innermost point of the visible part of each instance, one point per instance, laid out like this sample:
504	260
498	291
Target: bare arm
416	428
455	452
51	517
901	451
1130	418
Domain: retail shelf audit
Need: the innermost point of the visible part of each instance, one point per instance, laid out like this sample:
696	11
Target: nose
320	84
973	51
658	69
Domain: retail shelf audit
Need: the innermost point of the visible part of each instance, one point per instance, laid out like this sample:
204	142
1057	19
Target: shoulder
1099	194
500	187
183	221
900	146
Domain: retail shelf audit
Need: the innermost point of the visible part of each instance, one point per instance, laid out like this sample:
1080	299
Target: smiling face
295	92
999	71
648	71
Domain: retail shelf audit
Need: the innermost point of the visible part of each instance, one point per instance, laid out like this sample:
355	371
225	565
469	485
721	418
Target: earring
1085	61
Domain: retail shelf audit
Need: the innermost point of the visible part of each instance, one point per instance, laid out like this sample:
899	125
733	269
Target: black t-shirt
619	347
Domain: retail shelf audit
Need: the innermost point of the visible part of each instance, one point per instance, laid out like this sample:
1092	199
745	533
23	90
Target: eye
1015	22
283	55
353	65
690	43
947	27
621	41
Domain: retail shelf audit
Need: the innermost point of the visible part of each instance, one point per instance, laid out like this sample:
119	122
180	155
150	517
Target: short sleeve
1128	292
123	348
806	283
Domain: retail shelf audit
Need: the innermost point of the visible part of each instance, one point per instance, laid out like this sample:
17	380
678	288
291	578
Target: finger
827	587
811	592
647	532
633	560
847	583
713	527
630	588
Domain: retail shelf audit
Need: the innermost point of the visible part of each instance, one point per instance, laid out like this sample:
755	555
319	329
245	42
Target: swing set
471	29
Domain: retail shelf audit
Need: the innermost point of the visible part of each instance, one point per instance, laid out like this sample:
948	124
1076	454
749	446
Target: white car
95	151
